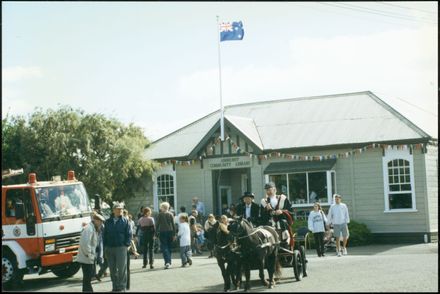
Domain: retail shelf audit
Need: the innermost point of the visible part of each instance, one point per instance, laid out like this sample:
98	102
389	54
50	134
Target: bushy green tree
105	154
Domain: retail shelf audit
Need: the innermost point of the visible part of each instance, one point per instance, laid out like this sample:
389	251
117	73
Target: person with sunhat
248	209
275	211
87	250
117	239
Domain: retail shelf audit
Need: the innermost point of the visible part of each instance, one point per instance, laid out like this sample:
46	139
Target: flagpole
222	123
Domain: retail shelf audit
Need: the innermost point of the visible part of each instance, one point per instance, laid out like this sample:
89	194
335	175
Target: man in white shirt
62	202
338	216
200	206
275	211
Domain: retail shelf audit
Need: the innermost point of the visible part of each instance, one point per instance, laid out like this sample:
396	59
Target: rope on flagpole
222	123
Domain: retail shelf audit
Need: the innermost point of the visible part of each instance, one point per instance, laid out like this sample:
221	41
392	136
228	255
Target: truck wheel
11	274
67	270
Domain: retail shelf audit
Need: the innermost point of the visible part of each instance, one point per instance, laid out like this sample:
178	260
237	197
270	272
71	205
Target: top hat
248	194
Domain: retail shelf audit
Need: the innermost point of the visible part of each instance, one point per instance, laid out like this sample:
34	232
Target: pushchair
329	240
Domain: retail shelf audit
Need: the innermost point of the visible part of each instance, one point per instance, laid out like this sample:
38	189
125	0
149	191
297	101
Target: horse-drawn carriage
246	248
293	254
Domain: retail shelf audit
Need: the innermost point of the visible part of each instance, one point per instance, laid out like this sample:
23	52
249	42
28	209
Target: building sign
228	162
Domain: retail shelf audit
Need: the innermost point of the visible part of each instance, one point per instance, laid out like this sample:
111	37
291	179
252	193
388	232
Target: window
317	186
298	188
66	200
280	182
398	180
23	196
165	189
306	187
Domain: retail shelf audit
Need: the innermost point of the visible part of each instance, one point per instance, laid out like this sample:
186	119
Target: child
184	235
193	231
148	227
209	231
224	222
200	242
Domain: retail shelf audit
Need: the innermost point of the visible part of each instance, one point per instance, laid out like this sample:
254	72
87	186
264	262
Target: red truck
41	226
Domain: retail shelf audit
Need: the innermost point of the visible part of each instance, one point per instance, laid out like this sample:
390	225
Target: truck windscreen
58	202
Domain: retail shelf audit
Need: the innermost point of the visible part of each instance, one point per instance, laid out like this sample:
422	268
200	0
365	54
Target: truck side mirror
19	210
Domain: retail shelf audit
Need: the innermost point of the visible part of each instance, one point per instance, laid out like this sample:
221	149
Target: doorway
228	187
225	199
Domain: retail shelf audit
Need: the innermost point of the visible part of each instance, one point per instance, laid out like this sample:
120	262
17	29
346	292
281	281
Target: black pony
227	259
259	250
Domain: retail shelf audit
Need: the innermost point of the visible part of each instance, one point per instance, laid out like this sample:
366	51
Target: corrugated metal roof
246	126
351	118
181	142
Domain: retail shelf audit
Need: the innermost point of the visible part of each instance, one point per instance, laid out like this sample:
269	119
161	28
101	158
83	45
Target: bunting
347	154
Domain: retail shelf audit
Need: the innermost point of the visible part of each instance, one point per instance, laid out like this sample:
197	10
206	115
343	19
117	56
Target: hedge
359	233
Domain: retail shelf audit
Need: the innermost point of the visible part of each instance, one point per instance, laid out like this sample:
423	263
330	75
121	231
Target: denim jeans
166	241
185	253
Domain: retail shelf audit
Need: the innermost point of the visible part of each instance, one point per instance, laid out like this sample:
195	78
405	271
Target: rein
254	232
223	247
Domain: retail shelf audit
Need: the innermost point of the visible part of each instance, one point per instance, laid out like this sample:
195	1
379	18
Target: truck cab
41	227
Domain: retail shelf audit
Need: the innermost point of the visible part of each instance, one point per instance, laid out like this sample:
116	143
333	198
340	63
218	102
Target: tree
105	154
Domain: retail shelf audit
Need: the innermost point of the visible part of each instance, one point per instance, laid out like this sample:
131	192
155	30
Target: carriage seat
302	235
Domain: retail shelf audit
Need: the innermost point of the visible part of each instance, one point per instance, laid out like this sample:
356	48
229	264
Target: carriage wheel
297	265
302	250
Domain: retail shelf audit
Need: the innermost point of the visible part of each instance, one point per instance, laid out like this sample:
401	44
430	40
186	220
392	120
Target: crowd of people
110	243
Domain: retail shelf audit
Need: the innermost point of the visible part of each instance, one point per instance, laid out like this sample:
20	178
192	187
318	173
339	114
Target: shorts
340	229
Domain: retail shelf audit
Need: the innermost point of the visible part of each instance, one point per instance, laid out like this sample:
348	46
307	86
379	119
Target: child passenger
184	235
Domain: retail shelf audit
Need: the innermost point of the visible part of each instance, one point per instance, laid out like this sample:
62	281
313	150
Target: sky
156	64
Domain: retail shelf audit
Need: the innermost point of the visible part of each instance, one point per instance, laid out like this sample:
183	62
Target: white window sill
400	210
308	205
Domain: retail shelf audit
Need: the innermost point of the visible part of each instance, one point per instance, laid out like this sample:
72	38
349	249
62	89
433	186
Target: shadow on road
377	249
44	283
255	285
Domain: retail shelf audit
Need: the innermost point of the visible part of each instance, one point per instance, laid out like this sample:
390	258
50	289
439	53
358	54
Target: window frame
328	180
390	155
166	170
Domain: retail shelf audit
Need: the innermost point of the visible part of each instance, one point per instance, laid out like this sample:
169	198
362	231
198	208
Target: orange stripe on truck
58	258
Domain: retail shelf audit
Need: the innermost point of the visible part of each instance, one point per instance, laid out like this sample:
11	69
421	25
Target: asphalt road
376	268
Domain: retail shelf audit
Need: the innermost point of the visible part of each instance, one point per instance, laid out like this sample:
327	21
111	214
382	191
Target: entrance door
244	183
225	193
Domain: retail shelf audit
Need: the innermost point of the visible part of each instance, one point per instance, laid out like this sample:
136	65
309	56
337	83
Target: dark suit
255	212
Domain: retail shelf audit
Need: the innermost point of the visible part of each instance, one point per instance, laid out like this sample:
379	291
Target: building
384	166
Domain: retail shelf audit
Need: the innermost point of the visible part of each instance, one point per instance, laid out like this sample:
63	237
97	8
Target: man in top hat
275	211
248	209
